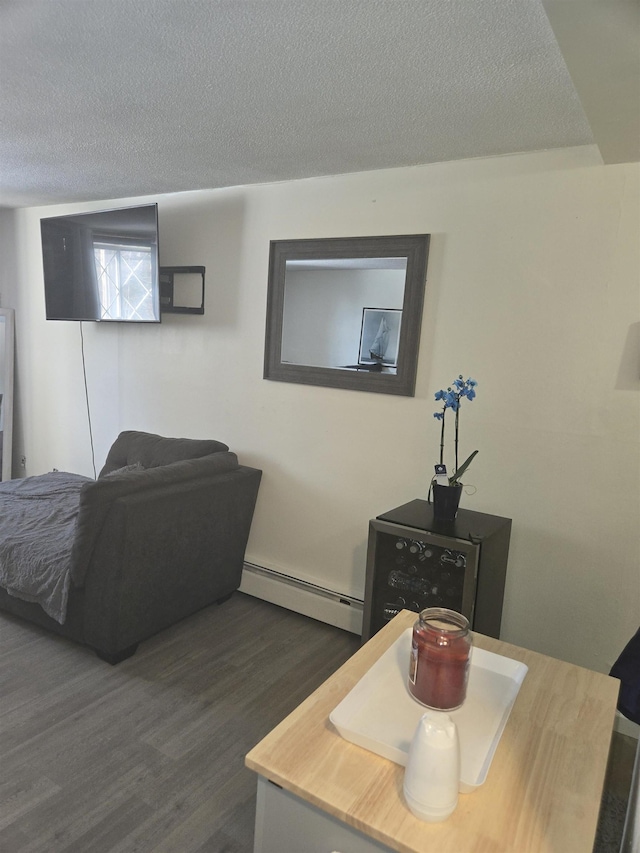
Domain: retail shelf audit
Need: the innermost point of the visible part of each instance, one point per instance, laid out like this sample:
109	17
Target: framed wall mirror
346	312
6	391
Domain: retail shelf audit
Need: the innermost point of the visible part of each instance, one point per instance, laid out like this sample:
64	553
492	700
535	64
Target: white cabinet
287	824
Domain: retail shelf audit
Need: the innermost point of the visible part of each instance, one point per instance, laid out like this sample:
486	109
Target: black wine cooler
414	562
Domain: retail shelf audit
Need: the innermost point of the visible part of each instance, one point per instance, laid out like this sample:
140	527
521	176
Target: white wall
532	289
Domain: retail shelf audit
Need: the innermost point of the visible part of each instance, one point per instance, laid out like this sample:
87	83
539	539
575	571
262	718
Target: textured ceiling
133	97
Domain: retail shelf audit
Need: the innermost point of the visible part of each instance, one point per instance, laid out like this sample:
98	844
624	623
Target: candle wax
439	669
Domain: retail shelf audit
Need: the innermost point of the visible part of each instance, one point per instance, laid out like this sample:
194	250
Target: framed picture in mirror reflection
379	336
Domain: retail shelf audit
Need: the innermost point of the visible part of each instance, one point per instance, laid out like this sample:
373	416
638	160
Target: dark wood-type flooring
148	756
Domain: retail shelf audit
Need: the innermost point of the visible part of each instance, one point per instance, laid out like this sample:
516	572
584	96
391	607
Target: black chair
627	669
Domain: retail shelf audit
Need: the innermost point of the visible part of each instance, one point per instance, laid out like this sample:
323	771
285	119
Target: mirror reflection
343	314
346	312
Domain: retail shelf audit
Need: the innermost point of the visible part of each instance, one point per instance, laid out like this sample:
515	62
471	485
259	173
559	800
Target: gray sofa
159	535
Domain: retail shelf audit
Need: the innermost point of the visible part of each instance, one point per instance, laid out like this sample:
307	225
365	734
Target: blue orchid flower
451	399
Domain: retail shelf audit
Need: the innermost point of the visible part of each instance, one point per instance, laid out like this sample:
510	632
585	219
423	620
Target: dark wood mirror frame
415	248
6	392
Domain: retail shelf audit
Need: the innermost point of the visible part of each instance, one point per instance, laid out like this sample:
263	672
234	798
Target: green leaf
462	469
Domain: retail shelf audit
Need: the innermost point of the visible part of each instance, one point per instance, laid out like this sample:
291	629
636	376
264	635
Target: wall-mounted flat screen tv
102	266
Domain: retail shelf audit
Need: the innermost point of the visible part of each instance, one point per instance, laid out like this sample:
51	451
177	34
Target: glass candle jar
440	658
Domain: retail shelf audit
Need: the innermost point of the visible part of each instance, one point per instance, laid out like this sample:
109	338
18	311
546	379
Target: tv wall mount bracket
182	290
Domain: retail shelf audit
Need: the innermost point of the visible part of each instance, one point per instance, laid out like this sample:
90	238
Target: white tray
381	715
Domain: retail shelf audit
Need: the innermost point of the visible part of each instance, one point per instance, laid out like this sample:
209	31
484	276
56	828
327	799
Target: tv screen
102	266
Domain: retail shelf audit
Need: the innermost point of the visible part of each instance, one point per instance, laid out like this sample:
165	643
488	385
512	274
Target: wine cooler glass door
409	569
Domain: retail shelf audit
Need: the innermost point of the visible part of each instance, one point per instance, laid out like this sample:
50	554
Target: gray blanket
37	526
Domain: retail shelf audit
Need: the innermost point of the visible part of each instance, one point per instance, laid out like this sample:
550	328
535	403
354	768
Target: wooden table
542	792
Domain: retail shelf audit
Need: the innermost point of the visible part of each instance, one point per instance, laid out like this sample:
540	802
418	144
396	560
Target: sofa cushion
97	497
151	451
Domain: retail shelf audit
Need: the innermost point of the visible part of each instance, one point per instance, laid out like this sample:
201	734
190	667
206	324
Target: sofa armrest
164	554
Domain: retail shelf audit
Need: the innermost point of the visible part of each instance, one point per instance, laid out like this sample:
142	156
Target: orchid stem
457	422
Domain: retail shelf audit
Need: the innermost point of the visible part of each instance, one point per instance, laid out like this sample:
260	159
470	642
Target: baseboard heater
304	597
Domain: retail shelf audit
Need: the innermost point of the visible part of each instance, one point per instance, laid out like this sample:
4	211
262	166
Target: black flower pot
445	501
